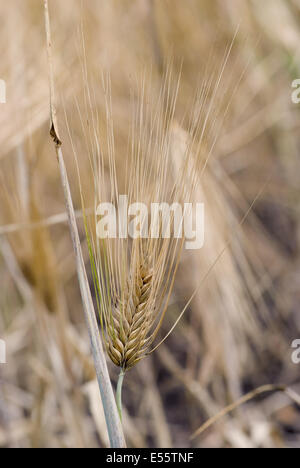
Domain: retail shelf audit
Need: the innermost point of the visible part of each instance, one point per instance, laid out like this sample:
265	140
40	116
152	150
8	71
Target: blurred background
238	331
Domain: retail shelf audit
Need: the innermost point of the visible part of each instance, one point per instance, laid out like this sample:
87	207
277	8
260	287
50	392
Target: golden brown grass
237	332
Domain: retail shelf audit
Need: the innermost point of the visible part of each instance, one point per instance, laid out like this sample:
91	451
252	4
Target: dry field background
237	333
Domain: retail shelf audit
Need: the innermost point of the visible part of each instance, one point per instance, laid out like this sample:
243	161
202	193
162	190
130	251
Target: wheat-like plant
133	278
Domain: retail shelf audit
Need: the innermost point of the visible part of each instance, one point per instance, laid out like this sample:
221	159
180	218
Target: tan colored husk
131	320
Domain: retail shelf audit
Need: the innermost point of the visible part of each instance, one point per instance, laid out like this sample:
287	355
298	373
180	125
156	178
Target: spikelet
131	321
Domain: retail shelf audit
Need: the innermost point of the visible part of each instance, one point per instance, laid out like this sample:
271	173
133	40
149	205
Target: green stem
119	392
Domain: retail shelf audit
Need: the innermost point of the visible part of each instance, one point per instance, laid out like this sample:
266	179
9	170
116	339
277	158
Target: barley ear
113	422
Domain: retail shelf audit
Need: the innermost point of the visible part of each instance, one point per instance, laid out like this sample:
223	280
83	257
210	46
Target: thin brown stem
249	396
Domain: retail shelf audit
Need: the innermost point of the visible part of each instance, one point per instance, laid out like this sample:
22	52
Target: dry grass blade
112	419
249	396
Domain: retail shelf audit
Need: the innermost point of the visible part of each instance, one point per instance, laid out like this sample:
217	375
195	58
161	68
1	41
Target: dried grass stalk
112	420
